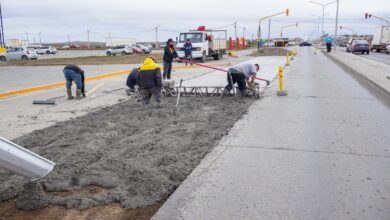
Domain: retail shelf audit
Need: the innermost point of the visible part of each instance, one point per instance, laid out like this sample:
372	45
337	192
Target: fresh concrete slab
322	152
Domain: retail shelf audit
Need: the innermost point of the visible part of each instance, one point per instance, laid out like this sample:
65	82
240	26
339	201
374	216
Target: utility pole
157	36
34	38
235	30
269	32
109	34
68	38
40	37
243	32
337	23
88	38
26	35
2	40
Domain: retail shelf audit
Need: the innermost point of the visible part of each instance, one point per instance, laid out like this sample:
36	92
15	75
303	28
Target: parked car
65	47
291	44
46	50
19	53
136	49
144	49
74	46
305	44
122	49
388	49
359	46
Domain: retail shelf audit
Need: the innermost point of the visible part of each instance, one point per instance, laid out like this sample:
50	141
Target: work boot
69	92
78	94
242	93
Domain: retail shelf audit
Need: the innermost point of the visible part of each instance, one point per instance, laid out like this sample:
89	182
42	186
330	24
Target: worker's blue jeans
70	76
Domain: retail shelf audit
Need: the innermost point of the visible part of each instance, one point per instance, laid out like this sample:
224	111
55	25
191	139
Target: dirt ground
8	211
94	60
123	154
270	51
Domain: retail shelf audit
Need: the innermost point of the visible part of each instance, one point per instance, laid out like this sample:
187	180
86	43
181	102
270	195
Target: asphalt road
322	152
379	57
18	77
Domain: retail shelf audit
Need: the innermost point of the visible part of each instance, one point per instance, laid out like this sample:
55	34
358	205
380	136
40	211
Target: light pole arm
263	18
382	19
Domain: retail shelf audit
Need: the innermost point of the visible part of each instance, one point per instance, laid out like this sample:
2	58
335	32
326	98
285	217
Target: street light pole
323	13
262	19
337	23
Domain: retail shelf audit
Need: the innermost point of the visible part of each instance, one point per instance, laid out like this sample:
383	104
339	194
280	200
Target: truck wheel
24	57
124	53
108	53
48	52
203	59
3	59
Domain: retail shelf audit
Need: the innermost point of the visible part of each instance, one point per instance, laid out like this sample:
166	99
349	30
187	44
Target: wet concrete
139	156
322	152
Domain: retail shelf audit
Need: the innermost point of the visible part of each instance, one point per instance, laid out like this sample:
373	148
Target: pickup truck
205	43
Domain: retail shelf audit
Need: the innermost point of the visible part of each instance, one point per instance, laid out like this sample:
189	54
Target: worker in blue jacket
188	51
328	41
131	81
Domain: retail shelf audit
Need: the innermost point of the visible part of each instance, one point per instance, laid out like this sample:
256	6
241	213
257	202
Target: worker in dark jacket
131	81
188	50
74	73
169	55
150	82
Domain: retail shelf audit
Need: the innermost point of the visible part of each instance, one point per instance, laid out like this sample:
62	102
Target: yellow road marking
91	78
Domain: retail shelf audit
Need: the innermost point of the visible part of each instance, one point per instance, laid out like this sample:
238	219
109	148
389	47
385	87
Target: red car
74	46
137	50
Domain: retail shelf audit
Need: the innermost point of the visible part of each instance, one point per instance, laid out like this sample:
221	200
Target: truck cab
204	44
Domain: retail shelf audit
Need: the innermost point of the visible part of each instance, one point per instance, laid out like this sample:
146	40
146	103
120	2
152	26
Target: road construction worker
131	81
150	82
169	55
188	51
74	73
242	74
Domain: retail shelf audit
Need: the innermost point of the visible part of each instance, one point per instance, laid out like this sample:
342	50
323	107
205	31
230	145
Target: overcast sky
137	19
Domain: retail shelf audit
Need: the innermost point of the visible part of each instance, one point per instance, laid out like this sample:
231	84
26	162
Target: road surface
380	57
322	152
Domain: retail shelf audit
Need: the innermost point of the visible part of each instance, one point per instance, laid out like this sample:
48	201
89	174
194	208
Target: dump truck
205	43
381	39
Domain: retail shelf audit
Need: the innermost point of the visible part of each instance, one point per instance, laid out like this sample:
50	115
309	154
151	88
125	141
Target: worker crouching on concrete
74	73
150	81
131	81
242	74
